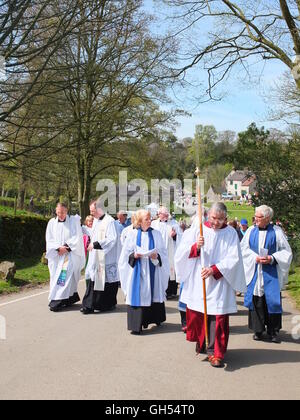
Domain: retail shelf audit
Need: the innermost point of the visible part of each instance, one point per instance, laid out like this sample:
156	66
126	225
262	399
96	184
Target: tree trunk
21	192
84	200
84	182
58	192
21	198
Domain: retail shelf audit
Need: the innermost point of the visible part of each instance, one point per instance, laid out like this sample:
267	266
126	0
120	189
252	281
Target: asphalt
67	355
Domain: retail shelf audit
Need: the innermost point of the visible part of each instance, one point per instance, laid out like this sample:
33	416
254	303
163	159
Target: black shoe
54	309
200	350
135	332
86	311
257	337
275	339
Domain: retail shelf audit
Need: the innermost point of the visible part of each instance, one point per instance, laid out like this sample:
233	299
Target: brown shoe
217	362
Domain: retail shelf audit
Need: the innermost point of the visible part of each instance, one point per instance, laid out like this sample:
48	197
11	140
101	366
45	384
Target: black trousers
100	301
259	318
142	316
183	318
172	288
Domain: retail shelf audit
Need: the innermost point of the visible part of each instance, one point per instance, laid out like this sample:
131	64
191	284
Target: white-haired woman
144	274
267	257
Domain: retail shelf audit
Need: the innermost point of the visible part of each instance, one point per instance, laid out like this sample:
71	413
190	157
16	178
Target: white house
240	183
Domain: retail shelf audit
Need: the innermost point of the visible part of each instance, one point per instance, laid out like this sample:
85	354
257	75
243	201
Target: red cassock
218	325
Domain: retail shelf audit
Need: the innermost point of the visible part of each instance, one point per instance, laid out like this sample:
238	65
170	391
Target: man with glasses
267	257
215	257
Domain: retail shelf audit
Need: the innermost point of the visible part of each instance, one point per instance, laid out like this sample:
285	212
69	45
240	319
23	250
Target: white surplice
165	228
109	253
221	248
125	233
161	273
57	235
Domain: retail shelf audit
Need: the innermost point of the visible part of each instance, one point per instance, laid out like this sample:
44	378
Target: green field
238	211
9	211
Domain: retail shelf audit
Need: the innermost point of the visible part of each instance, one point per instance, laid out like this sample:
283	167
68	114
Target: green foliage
204	145
276	164
22	236
216	174
294	285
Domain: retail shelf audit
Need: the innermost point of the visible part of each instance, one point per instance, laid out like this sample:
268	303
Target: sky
244	102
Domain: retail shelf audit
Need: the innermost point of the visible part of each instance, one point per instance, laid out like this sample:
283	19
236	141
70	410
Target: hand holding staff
200	242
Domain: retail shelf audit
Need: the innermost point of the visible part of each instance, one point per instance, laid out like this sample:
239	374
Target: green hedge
44	209
22	236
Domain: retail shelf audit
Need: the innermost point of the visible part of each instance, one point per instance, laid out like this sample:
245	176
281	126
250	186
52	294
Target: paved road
71	356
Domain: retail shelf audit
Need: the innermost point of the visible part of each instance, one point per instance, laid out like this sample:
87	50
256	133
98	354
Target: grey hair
266	211
163	210
219	208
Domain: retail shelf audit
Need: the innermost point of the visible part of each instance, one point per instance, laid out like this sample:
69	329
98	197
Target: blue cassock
270	276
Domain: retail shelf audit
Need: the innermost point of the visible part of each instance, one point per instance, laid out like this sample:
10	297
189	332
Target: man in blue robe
267	257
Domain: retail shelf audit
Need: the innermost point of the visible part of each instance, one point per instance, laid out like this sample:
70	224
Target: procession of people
149	258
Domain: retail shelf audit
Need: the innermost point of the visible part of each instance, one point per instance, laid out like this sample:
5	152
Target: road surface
70	356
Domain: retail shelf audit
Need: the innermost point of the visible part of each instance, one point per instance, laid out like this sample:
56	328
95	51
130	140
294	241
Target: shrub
22	236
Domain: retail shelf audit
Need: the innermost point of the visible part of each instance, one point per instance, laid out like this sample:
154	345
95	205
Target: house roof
249	181
238	176
215	190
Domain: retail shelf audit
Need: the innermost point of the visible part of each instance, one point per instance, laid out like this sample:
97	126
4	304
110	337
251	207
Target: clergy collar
102	217
62	221
145	231
265	228
164	221
208	224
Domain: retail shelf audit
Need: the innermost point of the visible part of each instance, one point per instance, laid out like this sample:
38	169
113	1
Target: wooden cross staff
197	173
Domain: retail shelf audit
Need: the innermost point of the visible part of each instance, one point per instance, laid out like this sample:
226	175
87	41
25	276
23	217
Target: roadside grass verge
293	286
30	272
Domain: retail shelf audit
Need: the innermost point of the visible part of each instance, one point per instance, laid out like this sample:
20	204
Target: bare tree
239	34
31	33
286	96
111	72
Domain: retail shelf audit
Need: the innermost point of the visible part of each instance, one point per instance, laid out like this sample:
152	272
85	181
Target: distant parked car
227	196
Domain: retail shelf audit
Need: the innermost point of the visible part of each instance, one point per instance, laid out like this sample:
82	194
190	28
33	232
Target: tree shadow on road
245	358
239	329
170	310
